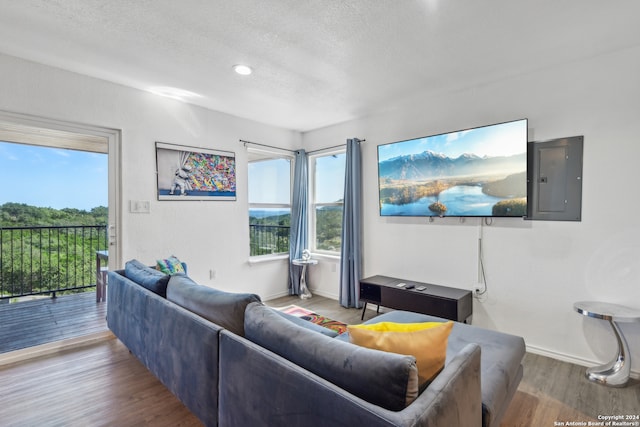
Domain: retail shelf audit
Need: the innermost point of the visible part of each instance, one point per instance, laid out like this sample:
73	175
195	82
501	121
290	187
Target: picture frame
192	173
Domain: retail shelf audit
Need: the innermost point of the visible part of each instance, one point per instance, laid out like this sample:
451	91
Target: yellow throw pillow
426	341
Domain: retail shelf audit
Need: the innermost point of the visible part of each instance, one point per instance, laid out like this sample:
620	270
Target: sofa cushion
501	359
225	309
150	278
385	379
426	341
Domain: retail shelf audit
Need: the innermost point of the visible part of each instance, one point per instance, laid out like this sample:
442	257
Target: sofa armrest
258	387
179	347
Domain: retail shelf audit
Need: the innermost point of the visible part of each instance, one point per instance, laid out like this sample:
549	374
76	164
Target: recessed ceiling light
243	70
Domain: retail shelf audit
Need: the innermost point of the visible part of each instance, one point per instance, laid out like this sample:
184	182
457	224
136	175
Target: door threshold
25	354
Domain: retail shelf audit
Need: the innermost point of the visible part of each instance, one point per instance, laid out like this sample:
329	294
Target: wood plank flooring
40	321
553	391
98	385
104	385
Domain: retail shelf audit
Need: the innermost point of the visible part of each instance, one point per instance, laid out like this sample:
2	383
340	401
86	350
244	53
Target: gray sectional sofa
235	362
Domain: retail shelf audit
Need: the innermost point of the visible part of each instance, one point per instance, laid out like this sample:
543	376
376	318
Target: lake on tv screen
461	200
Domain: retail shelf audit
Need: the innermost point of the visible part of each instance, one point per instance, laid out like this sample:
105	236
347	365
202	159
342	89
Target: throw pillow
171	265
385	379
148	277
427	342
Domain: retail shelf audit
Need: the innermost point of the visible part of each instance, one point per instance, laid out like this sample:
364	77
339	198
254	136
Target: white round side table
304	291
615	373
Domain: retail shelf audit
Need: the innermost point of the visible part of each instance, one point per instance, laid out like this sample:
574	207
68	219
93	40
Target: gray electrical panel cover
554	179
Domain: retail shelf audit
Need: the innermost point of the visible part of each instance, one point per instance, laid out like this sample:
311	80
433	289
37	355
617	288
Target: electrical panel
554	179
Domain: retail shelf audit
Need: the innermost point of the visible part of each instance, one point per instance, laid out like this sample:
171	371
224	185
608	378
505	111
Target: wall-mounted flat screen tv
478	172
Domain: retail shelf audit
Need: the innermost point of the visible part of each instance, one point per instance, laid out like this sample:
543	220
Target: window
326	200
269	203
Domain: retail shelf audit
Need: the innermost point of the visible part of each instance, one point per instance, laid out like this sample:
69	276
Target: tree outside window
269	182
327	198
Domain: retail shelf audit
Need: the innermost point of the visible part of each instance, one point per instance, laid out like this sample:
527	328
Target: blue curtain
351	258
298	233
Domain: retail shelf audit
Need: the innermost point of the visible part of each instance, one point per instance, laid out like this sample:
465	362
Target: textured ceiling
316	62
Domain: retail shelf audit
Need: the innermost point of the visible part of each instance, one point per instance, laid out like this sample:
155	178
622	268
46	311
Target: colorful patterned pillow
171	265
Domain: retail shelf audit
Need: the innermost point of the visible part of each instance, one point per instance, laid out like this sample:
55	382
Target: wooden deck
42	321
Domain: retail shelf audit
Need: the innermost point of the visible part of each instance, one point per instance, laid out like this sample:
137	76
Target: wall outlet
212	274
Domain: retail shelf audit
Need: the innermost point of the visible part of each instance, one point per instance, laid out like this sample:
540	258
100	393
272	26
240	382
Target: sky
503	139
52	177
330	178
269	181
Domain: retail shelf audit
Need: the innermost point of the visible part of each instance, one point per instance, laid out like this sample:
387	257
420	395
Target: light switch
139	206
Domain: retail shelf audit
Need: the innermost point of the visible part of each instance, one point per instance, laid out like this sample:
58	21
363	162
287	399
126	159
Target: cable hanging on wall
482	277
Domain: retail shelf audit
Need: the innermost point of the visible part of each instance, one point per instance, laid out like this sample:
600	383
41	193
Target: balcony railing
48	260
268	239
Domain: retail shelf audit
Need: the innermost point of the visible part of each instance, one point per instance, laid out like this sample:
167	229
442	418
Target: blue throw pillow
150	278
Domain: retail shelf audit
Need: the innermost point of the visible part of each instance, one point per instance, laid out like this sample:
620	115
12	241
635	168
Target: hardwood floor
325	306
554	391
98	385
104	385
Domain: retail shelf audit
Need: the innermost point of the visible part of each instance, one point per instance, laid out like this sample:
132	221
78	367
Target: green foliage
438	208
44	250
270	235
23	215
512	186
512	207
329	228
403	192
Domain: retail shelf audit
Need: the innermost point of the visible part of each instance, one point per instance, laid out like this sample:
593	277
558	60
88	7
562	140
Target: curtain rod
265	145
293	151
329	148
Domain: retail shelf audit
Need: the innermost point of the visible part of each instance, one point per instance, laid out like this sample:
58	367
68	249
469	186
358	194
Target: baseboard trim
274	296
324	294
313	292
570	359
29	353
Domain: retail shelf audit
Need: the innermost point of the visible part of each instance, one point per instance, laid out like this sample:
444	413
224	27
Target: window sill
326	256
267	258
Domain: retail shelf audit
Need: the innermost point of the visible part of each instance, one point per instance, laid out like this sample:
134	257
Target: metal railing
48	260
268	239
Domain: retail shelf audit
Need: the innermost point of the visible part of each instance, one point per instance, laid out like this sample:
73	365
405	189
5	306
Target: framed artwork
190	173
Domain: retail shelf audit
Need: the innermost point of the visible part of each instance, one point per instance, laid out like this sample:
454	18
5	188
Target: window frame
261	156
313	205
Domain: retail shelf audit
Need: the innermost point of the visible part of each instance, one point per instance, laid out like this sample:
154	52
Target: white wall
207	235
535	270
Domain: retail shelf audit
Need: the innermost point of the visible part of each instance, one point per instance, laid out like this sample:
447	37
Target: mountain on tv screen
474	172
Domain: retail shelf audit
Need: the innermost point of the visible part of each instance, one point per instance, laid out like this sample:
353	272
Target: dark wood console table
441	301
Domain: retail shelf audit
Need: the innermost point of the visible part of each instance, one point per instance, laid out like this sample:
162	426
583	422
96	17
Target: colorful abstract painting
188	173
